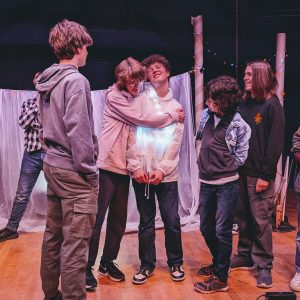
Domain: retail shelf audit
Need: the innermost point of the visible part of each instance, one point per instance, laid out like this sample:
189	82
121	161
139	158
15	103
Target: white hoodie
155	148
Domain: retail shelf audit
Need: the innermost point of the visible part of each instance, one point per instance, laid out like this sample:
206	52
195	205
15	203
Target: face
248	79
157	73
132	86
212	105
82	55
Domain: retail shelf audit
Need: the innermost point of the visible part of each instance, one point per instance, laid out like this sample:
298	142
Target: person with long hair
262	110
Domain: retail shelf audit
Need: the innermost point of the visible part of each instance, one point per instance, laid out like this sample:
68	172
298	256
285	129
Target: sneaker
205	270
142	275
177	273
295	283
8	234
235	229
264	278
238	262
90	280
211	285
111	270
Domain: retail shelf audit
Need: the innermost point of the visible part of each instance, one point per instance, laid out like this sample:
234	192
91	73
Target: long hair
264	81
225	92
128	69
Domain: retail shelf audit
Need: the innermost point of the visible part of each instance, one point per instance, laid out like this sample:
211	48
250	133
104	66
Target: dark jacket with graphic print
266	119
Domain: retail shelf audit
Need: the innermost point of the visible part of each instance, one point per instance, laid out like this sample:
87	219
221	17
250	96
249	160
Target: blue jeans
217	207
32	164
297	260
167	196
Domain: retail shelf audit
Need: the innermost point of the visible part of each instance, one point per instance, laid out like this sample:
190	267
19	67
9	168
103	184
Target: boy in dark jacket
224	139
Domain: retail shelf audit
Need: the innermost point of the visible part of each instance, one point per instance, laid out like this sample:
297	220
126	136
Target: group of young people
241	142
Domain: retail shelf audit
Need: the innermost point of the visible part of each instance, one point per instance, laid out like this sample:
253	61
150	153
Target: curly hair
128	69
224	91
66	37
156	58
264	81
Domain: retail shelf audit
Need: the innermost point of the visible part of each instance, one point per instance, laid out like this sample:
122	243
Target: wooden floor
20	261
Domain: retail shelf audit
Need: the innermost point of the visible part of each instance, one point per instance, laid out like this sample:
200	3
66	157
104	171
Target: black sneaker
111	270
177	273
142	275
238	262
90	280
264	278
7	234
205	271
211	285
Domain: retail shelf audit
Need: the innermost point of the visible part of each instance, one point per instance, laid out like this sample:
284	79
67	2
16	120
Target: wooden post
197	22
280	67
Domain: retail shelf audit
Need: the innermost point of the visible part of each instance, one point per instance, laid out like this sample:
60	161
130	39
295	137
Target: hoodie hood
114	89
51	77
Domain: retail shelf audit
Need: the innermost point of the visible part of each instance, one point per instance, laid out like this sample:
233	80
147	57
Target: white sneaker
295	283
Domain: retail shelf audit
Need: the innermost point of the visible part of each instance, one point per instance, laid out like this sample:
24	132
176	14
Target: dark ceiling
122	28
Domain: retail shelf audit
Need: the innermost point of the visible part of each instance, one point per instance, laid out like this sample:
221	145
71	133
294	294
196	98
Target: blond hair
264	81
127	69
66	37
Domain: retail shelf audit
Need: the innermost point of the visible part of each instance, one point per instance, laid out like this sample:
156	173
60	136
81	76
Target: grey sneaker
238	262
142	275
264	278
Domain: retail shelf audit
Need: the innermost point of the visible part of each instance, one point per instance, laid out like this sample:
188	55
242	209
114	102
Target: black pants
167	196
113	193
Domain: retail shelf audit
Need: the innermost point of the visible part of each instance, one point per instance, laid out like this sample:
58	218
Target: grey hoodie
67	119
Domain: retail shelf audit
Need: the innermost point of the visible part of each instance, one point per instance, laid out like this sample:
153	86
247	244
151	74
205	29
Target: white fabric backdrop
11	152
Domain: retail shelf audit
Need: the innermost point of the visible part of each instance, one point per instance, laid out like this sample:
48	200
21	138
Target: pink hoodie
121	112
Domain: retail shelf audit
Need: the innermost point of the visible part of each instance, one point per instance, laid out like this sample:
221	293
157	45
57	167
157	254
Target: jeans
71	214
255	224
167	196
113	194
32	165
217	208
297	259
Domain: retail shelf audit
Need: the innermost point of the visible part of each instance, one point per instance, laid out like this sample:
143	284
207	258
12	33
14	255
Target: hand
156	177
261	185
181	115
140	176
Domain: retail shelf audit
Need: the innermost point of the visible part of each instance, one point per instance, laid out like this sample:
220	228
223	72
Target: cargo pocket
84	217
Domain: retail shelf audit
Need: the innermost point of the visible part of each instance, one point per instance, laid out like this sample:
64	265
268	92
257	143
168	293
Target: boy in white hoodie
153	158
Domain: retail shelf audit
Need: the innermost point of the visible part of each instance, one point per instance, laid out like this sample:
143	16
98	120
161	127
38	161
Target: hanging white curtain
11	152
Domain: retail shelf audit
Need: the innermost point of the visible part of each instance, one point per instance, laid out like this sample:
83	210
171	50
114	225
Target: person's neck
161	89
73	61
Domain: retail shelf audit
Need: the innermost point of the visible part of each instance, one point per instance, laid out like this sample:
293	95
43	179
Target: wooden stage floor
20	261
